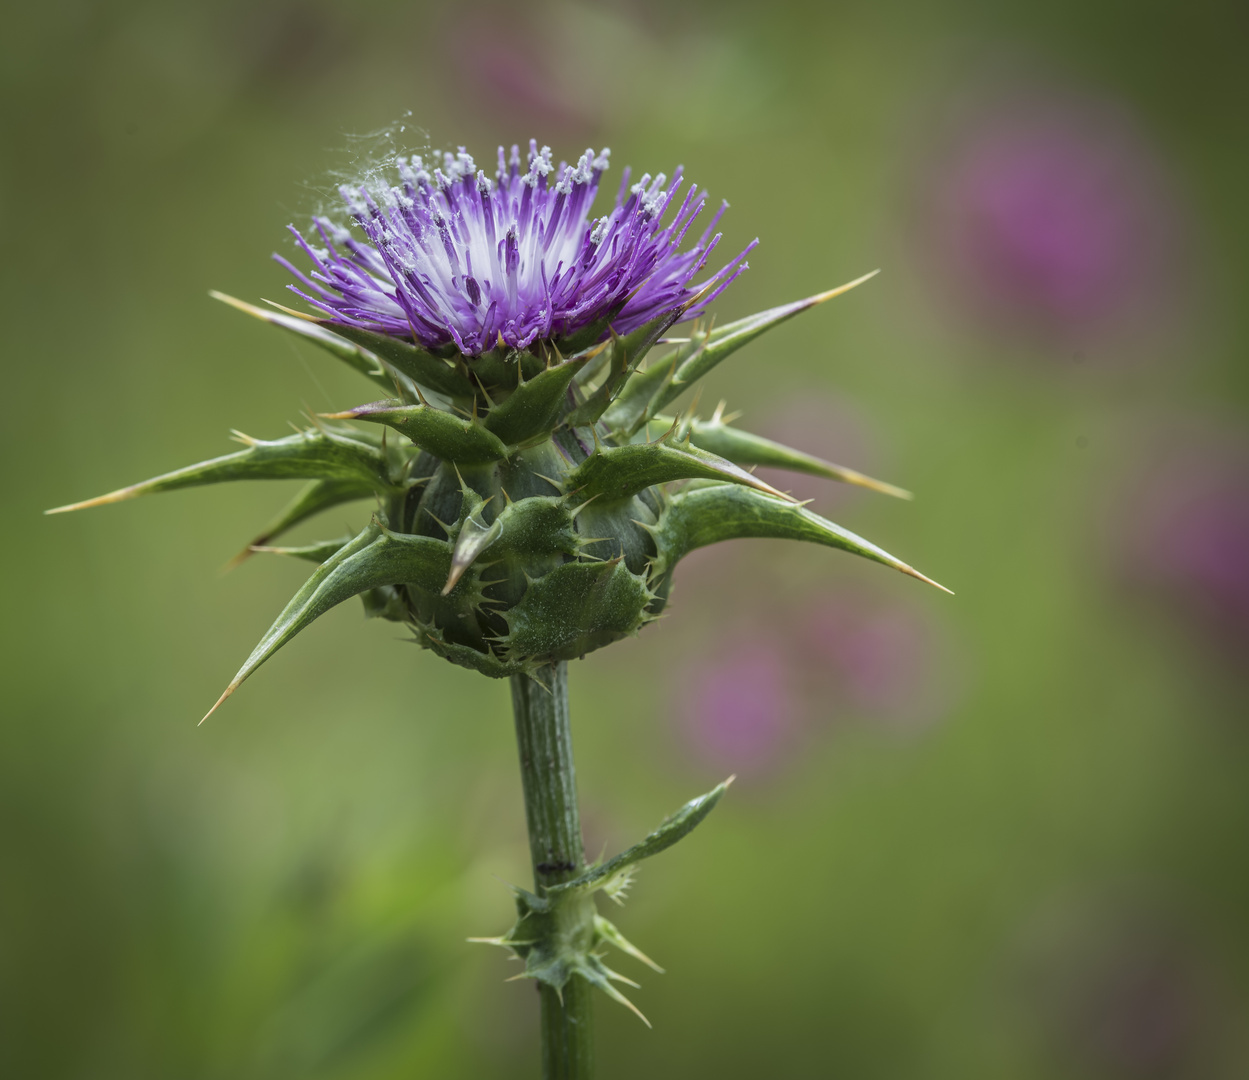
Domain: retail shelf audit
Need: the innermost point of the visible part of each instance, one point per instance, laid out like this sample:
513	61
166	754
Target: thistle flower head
453	257
532	495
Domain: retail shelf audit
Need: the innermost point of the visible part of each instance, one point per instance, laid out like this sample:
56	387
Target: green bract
531	506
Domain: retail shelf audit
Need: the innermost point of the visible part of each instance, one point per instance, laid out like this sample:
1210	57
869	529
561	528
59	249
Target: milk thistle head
534	491
457	259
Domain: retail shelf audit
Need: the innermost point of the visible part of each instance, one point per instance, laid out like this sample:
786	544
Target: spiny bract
533	496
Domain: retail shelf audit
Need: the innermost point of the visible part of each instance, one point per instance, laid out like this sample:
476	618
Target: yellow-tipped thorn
592	353
819	298
120	495
616	995
228	691
768	489
297	314
685	307
883	488
910	570
627	947
858	479
260	313
235	302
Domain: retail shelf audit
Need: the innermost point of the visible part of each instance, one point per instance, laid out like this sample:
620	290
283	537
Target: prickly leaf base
559	934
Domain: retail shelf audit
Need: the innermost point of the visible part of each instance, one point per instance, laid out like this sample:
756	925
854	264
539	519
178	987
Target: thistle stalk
549	780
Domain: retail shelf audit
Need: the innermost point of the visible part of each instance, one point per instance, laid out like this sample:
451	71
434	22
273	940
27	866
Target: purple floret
455	258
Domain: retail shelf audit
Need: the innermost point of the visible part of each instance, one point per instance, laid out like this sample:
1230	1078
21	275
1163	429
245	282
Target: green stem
555	847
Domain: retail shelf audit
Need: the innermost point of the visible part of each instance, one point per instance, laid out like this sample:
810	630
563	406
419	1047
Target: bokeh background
1001	834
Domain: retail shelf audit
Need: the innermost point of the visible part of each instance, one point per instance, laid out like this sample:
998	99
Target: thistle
534	488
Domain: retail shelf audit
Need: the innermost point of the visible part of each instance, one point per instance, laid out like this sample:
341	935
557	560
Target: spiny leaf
533	408
673	829
423	368
465	656
623	355
619	471
614	355
353	355
317	552
576	608
446	436
595	972
318	453
473	538
316	496
538	525
374	558
743	448
608	933
638	401
707	515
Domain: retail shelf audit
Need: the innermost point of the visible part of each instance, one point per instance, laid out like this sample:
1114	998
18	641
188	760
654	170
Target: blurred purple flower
876	657
1048	212
1188	535
738	707
1121	990
453	257
516	72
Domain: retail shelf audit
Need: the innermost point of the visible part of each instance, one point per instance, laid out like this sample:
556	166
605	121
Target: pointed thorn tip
228	691
819	298
120	495
927	580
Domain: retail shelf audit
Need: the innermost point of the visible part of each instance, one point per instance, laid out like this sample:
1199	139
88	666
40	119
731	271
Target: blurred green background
1001	834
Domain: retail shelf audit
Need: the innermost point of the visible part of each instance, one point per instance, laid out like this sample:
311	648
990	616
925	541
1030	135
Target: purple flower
454	257
738	708
1188	533
878	658
1048	213
1122	990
